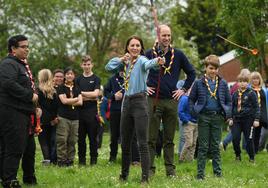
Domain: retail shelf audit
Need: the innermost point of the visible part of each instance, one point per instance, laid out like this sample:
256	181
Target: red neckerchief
29	72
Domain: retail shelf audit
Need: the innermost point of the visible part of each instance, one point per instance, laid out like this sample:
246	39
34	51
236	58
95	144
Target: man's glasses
24	47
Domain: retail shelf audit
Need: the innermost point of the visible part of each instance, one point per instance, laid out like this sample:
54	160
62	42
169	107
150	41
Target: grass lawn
235	174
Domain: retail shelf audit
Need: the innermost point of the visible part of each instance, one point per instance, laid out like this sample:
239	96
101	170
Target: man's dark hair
68	69
58	70
14	41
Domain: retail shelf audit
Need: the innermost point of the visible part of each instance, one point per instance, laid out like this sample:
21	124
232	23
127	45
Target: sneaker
62	164
144	180
93	161
238	158
136	163
171	174
30	180
82	161
200	177
252	161
11	184
69	163
218	175
46	162
122	177
112	159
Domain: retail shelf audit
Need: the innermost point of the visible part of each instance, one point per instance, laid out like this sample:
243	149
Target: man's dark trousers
167	110
88	125
13	134
28	160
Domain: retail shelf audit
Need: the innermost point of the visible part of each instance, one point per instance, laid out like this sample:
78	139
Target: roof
227	57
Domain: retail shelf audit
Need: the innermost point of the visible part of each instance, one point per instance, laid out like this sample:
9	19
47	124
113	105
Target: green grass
235	174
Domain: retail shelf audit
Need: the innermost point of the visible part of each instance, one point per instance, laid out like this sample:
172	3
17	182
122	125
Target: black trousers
88	126
257	135
28	159
135	153
115	117
47	141
13	134
244	125
134	118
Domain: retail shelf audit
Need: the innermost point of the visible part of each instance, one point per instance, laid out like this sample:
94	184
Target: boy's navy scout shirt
249	105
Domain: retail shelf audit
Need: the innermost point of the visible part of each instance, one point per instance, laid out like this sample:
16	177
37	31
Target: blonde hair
212	60
46	85
243	77
256	74
245	72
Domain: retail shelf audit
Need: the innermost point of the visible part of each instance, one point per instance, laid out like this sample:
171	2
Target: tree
100	21
4	29
43	23
60	32
248	27
189	47
198	23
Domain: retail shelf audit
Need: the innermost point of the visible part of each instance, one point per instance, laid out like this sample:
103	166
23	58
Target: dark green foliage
198	21
246	21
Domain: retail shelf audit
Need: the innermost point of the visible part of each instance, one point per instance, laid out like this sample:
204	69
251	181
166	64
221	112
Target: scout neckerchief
166	69
239	101
258	89
70	86
35	126
214	93
127	74
29	72
98	115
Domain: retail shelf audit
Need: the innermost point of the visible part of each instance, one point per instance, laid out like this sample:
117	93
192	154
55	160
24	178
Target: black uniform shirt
68	111
88	84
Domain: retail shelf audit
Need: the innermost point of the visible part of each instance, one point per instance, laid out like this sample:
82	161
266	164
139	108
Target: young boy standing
89	84
210	101
246	112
